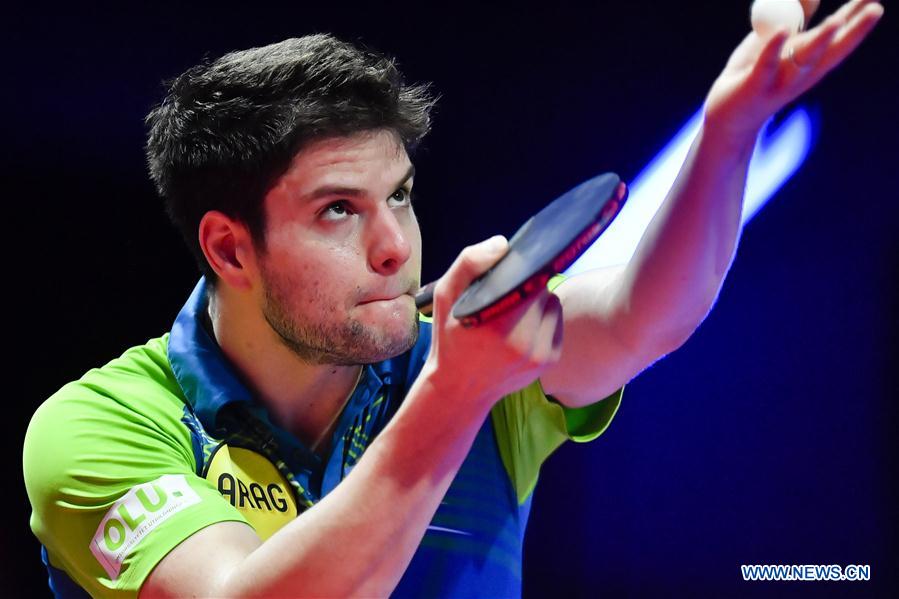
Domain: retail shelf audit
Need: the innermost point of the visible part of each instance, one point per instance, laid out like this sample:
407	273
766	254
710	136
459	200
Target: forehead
364	158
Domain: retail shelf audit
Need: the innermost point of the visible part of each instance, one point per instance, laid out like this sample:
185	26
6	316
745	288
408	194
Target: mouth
388	298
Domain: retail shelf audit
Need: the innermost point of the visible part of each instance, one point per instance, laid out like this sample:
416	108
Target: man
301	431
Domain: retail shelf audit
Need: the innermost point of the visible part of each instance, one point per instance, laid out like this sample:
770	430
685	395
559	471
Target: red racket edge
563	261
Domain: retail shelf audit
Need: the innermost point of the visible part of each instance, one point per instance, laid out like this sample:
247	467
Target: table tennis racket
545	245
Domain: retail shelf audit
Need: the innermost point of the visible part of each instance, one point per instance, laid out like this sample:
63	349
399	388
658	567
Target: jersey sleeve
112	480
530	425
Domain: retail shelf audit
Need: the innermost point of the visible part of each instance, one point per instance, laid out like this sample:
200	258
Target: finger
837	20
536	330
839	17
852	34
850	9
471	263
863	12
520	320
809	53
768	61
809	7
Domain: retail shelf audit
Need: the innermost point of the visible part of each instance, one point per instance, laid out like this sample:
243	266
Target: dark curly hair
227	129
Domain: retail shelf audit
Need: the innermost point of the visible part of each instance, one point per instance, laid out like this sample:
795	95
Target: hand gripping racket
545	245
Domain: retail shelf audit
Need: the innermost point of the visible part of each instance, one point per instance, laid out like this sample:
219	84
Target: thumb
471	263
809	7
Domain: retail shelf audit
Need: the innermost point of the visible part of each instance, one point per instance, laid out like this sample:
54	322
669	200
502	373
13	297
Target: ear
228	248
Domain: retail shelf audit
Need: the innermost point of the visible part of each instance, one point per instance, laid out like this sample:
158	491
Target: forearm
680	263
339	546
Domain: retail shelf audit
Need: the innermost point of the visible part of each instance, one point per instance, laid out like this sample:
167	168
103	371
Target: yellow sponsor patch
255	487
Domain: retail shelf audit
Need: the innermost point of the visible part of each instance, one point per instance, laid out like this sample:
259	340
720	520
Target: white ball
770	15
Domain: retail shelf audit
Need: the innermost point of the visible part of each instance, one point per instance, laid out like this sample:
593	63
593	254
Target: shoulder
130	404
141	373
111	444
140	381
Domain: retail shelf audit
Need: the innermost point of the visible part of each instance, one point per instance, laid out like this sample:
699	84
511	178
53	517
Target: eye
336	211
401	197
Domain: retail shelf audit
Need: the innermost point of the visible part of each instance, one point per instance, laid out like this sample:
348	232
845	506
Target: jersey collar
210	383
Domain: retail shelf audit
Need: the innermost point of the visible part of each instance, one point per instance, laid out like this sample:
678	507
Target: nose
389	247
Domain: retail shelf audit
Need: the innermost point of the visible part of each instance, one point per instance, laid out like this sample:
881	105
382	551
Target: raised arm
338	548
620	320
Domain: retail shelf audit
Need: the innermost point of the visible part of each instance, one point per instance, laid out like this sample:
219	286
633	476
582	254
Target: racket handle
424	298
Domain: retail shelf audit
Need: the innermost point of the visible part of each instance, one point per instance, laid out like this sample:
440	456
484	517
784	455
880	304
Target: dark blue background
767	438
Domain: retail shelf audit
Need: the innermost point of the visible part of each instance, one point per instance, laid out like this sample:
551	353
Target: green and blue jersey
134	457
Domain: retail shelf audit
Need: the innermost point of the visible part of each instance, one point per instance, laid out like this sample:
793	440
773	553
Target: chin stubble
343	344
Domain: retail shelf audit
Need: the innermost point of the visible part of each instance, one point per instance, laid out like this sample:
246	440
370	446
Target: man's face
342	256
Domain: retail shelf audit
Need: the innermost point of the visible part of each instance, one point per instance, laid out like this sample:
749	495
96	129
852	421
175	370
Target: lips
380	299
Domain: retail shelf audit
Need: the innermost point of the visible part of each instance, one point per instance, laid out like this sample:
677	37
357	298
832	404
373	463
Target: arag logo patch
252	484
138	512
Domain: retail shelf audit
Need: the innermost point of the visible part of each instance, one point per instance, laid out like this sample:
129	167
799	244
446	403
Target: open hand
763	75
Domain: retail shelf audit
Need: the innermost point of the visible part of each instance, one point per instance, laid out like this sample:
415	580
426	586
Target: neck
306	399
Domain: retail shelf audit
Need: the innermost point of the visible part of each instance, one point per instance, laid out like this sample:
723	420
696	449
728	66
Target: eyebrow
331	190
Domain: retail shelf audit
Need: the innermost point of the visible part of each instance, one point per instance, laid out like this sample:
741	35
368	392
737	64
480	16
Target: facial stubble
317	339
